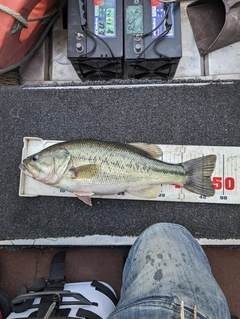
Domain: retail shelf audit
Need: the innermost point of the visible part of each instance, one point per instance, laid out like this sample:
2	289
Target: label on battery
134	19
158	14
105	18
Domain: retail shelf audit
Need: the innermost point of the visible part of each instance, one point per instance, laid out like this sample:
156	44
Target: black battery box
129	39
152	38
95	38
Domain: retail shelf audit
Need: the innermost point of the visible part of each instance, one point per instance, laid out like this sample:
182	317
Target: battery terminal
138	48
79	47
79	36
137	37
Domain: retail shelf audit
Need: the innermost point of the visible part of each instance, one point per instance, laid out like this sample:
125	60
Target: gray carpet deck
185	114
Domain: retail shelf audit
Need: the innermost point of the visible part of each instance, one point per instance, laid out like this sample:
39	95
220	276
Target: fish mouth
25	169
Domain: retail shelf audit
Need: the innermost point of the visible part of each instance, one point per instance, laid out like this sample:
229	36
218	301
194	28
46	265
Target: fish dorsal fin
152	149
85	171
152	191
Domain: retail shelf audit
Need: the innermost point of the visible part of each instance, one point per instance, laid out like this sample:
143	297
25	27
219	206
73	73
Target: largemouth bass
88	167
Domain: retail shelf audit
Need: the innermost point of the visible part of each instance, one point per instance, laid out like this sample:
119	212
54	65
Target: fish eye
35	157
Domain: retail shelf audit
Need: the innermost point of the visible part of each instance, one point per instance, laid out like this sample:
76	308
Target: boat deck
200	107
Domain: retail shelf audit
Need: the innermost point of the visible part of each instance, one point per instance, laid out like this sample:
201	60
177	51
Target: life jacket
15	38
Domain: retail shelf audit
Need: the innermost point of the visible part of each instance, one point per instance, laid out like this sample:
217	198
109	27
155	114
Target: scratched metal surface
183	114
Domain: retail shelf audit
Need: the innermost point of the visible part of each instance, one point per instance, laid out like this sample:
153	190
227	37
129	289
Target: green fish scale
122	164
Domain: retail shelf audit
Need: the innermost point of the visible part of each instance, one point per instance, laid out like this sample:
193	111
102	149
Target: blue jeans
167	272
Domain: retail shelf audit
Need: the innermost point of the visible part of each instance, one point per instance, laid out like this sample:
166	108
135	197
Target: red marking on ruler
176	186
219	182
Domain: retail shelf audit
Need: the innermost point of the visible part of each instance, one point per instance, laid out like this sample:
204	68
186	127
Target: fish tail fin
199	171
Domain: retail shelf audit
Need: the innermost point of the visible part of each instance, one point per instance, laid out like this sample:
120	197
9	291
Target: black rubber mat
205	114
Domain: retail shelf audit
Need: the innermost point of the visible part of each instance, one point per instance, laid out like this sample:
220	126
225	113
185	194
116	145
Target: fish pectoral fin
152	149
85	171
85	197
152	191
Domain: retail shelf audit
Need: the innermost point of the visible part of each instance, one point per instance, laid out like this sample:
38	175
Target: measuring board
225	178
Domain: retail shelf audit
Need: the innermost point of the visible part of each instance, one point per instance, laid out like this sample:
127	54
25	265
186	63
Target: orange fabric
23	7
38	11
13	47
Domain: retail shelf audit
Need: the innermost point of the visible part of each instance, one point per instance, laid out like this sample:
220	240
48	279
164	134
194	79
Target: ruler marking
236	170
202	172
223	184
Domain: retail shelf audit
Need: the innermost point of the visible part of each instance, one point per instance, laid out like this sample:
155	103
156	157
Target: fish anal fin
152	191
85	171
152	149
84	197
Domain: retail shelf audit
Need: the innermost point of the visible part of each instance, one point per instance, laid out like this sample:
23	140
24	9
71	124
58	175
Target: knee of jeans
160	228
166	231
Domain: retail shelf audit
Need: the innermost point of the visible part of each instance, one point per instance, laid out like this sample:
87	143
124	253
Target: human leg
167	266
